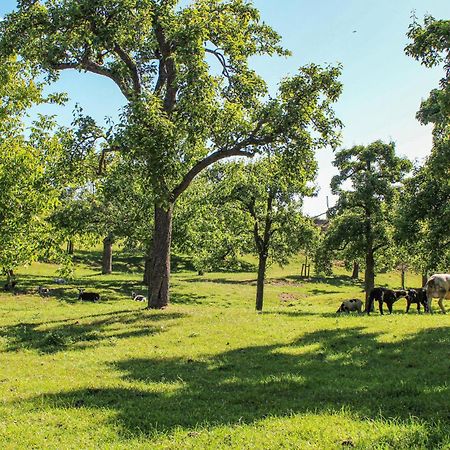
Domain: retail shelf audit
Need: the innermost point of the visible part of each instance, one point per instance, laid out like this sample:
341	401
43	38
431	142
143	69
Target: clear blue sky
382	86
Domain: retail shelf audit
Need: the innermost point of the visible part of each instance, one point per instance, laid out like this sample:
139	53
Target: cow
354	304
384	295
418	296
88	296
438	285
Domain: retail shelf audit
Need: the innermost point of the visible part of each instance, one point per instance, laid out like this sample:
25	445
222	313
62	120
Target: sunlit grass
209	372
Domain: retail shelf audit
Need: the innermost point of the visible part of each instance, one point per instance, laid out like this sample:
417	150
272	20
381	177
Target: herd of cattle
437	286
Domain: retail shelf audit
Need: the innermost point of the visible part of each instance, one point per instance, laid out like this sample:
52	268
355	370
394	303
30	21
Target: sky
383	87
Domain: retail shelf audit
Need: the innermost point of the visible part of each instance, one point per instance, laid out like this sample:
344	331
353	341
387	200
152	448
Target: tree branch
127	60
91	66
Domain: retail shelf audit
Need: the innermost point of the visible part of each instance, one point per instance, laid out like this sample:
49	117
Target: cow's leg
430	309
380	306
441	304
418	306
389	305
408	304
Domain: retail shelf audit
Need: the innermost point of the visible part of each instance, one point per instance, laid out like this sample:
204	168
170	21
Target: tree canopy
193	98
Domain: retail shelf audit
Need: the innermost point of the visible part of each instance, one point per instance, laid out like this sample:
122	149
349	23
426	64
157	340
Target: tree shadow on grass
122	261
78	334
336	281
202	279
323	371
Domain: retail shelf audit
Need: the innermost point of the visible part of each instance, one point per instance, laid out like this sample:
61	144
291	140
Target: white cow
355	304
438	285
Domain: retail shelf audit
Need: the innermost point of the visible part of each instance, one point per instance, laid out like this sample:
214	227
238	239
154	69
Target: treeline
159	177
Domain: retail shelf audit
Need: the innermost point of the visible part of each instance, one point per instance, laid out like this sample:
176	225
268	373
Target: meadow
210	373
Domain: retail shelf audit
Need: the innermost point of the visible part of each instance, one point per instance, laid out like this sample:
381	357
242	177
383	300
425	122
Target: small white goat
138	297
43	291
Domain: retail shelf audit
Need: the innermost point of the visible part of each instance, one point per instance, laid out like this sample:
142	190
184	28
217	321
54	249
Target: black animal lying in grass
384	295
418	296
88	296
355	304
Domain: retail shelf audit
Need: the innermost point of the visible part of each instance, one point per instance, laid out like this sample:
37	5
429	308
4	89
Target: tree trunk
70	247
107	254
147	265
424	278
158	288
403	278
260	283
355	273
369	275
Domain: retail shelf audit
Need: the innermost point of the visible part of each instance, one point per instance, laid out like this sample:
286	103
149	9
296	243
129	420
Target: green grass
210	373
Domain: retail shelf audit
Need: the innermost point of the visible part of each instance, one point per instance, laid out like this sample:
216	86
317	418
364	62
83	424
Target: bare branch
222	61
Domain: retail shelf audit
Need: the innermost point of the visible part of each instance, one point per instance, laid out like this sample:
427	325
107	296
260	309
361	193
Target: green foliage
425	207
362	222
29	182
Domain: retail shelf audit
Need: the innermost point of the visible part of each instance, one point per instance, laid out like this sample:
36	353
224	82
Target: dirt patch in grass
286	297
283	282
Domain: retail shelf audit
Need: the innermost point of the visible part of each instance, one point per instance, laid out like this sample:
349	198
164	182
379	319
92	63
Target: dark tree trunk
424	278
403	278
107	254
369	275
70	247
260	283
10	280
147	265
355	273
158	288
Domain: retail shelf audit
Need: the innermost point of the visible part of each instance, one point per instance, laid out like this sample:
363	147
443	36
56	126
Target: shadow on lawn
336	281
342	368
73	334
122	261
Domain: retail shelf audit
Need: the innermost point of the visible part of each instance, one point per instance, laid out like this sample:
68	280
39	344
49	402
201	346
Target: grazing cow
354	304
438	285
88	296
138	297
418	296
384	295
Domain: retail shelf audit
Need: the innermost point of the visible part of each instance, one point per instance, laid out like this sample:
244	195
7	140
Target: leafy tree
29	183
362	220
209	227
192	98
261	202
425	207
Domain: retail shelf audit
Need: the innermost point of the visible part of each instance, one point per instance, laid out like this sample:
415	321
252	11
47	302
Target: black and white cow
384	295
418	296
438	285
354	304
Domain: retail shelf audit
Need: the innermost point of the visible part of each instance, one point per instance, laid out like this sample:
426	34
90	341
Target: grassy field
210	373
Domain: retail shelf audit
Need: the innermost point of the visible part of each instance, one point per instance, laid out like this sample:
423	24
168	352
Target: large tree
425	207
367	186
192	98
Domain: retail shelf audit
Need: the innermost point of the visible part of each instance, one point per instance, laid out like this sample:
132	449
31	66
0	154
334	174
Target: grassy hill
208	372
